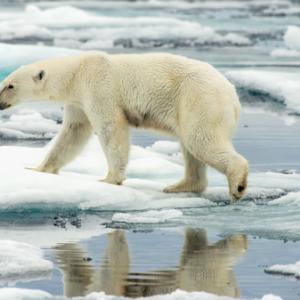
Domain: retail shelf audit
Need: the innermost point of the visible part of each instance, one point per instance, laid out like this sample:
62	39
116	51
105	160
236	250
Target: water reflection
202	267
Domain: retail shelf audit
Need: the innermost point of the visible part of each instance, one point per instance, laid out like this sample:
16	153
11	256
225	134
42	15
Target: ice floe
22	262
69	26
25	294
257	82
289	270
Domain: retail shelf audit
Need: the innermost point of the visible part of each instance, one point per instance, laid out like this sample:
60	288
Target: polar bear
107	94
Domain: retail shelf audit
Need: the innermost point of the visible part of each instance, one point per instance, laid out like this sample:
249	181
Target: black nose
240	188
4	106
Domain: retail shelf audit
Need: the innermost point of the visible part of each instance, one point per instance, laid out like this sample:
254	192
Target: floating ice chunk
25	294
286	89
151	216
22	262
291	269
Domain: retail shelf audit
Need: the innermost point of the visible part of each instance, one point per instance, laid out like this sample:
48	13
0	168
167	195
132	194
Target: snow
22	262
286	89
151	216
24	294
290	270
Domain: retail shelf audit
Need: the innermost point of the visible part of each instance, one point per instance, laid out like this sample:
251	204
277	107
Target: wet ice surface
134	240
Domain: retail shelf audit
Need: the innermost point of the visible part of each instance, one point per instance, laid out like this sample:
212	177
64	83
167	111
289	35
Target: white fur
109	93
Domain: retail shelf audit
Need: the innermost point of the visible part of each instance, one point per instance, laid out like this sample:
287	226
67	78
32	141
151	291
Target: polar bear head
237	174
25	84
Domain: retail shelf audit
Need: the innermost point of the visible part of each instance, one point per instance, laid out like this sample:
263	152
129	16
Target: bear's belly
150	121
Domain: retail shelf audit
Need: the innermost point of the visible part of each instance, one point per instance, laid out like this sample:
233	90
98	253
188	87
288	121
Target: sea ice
69	26
285	91
21	262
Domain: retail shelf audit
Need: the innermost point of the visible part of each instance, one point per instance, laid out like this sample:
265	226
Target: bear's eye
10	87
240	188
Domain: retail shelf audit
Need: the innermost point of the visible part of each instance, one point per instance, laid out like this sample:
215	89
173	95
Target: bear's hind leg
195	179
75	133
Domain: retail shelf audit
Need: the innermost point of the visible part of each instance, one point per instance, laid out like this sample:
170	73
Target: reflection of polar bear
109	93
82	277
202	267
210	267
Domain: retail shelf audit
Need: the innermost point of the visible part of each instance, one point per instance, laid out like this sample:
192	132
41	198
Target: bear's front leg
73	136
114	138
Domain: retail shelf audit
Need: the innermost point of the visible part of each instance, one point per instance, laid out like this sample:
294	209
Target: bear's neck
60	84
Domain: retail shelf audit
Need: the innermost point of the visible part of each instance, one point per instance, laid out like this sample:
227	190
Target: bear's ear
39	76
